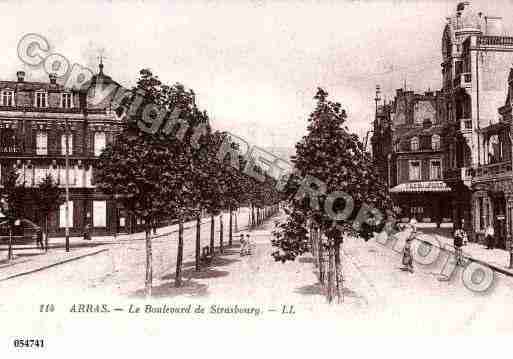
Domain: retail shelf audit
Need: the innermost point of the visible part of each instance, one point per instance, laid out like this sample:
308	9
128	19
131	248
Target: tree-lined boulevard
310	242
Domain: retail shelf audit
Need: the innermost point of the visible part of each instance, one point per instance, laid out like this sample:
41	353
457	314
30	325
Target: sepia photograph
239	175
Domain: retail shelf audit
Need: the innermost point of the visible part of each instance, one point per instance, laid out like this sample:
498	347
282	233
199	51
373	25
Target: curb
53	264
471	259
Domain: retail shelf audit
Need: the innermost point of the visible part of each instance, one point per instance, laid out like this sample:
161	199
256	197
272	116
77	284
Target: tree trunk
46	233
212	230
338	272
313	244
221	245
9	251
179	255
230	231
198	243
320	251
236	224
252	215
331	269
149	266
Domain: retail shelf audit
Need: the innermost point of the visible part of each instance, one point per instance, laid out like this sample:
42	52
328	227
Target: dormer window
67	100
7	98
41	99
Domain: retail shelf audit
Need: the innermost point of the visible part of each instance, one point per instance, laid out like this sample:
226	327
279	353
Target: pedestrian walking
458	243
154	227
87	232
489	235
407	256
464	233
39	238
407	259
248	244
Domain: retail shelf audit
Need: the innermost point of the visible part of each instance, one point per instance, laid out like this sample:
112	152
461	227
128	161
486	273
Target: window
89	177
435	172
435	142
80	173
62	215
414	171
8	140
54	172
99	213
67	100
99	142
414	144
39	174
62	176
41	143
70	144
29	175
7	98
41	99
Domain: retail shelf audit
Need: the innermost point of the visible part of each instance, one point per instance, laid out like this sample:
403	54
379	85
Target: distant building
477	57
408	154
33	141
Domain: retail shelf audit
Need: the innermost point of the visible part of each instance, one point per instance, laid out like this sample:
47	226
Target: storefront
426	201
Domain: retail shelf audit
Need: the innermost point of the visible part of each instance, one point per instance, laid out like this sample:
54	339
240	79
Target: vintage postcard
232	177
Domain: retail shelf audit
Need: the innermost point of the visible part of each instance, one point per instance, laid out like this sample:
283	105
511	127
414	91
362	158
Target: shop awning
423	186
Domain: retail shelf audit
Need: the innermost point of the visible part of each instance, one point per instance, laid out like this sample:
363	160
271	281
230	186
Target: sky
255	65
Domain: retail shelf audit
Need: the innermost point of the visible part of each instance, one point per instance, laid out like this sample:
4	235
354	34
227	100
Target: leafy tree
13	196
336	159
150	173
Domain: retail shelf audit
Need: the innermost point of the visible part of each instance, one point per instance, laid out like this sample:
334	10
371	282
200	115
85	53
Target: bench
206	255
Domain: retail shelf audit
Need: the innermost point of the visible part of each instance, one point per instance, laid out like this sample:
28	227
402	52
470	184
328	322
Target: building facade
33	141
477	57
407	144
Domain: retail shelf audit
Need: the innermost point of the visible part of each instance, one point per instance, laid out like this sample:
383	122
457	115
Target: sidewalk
497	259
28	258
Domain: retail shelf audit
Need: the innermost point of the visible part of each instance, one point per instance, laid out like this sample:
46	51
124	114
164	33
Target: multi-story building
33	141
407	144
477	57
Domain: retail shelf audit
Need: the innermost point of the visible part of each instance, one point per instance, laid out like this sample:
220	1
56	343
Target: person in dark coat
489	233
458	243
87	232
39	238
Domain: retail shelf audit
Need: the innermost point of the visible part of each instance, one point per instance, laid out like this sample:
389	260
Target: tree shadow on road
204	273
311	289
189	288
306	260
217	261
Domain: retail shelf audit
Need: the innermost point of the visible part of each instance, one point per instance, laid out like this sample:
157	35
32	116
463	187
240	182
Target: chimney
53	78
21	76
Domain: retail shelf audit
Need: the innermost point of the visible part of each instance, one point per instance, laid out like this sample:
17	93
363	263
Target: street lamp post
66	159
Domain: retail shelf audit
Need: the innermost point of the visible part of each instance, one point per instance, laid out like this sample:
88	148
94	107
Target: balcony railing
495	40
493	169
52	109
463	80
459	174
